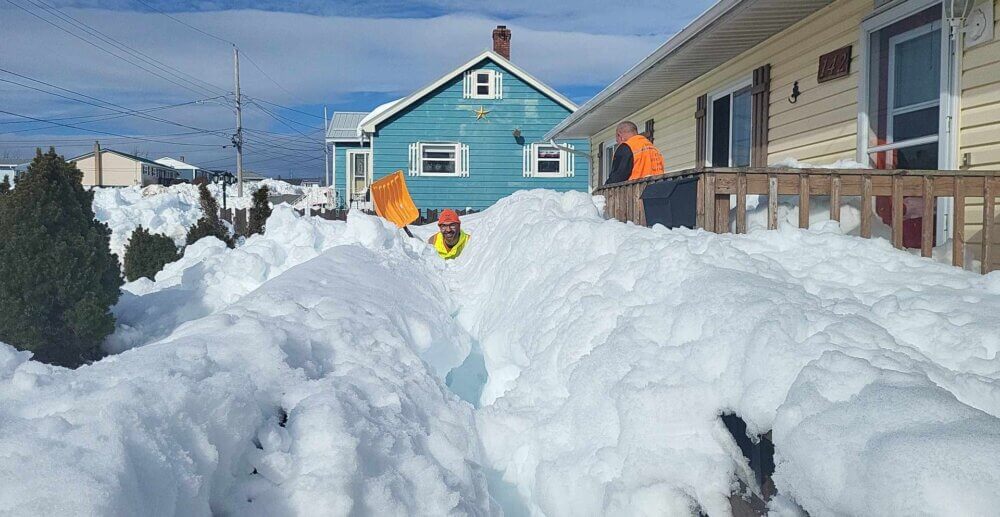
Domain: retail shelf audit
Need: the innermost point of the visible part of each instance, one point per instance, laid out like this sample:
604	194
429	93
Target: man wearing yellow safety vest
451	240
635	156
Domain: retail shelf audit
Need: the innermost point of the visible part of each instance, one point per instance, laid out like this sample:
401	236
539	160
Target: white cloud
320	59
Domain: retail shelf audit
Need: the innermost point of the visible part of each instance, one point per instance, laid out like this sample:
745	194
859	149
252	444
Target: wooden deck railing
716	185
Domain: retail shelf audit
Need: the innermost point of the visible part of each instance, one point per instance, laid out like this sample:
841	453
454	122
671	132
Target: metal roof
344	125
724	31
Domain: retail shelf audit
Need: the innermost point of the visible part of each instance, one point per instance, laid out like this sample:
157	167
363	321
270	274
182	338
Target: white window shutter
464	160
497	85
467	85
527	161
414	159
569	161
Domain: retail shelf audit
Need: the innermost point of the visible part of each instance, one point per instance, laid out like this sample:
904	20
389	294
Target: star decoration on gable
481	113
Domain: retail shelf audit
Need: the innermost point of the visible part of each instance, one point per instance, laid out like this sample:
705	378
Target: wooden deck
716	185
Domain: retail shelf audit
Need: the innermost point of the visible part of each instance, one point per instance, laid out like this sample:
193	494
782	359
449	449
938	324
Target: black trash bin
672	203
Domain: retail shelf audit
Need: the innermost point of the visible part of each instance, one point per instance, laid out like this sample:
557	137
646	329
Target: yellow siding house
904	84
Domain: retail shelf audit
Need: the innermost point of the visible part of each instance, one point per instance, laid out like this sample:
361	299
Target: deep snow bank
352	345
170	210
210	276
612	350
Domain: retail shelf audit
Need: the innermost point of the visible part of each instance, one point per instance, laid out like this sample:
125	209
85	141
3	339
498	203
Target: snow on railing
716	185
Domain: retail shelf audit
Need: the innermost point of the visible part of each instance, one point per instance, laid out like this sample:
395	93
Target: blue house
466	140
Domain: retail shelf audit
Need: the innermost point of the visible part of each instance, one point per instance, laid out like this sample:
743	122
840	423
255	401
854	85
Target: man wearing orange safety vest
451	240
635	156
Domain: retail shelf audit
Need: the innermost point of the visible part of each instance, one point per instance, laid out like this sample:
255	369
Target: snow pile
304	373
169	210
612	350
288	402
210	276
166	210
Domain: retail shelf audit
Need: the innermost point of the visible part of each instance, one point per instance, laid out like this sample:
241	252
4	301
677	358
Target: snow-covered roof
375	113
344	125
373	120
177	164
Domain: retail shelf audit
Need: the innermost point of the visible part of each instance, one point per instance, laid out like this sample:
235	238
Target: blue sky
104	59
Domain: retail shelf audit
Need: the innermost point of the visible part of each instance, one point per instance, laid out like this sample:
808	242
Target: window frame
494	84
729	89
531	159
417	159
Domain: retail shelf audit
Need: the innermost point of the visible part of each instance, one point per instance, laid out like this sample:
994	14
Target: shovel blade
392	200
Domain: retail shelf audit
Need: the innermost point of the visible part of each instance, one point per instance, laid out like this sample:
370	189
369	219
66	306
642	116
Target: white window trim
416	160
610	146
470	90
729	89
567	165
891	93
949	98
349	173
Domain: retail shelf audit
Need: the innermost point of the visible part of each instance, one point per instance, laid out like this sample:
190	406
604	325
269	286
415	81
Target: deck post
897	211
958	243
710	202
772	202
700	202
989	220
927	226
804	201
741	202
866	206
835	197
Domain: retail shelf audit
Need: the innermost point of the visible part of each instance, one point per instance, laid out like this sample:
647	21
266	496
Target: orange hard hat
448	216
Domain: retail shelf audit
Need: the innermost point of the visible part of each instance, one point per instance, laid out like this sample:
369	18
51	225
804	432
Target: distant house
120	169
9	171
466	140
186	171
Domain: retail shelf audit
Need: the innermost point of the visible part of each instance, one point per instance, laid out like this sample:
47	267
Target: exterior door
907	112
359	177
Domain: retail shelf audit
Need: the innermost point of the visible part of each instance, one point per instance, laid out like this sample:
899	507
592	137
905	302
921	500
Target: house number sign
834	65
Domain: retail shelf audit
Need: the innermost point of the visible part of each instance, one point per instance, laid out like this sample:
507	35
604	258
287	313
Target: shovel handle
407	230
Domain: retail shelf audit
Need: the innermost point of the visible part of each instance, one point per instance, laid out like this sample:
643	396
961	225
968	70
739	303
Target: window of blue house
483	84
439	159
547	161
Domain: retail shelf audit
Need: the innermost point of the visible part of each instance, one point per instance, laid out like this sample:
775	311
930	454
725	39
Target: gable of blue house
494	158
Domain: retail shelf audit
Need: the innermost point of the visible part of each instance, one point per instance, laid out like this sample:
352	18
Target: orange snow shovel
393	202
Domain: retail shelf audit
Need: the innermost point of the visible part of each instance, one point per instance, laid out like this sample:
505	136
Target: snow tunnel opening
759	453
468	379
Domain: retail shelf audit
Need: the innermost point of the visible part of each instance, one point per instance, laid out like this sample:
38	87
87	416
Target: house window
609	158
545	160
439	159
483	84
729	127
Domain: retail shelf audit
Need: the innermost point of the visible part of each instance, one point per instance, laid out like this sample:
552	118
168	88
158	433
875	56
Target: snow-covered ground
607	352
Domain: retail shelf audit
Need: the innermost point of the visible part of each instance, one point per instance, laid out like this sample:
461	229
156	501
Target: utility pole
326	150
238	138
98	168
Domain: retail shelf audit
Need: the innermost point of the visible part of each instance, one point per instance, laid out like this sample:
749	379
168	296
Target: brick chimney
501	41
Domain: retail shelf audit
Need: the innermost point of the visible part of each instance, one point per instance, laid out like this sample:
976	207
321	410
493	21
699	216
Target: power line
247	56
126	48
98	118
103	49
290	109
188	25
125	110
105	132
